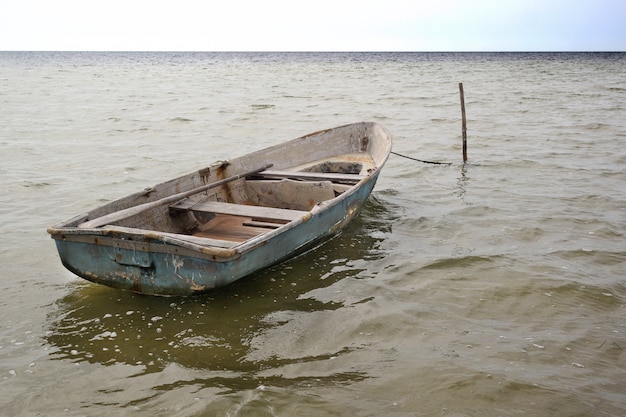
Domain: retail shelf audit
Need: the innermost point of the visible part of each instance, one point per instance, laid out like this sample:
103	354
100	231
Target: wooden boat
220	223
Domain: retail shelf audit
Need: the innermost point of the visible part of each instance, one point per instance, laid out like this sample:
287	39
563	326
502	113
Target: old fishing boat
220	223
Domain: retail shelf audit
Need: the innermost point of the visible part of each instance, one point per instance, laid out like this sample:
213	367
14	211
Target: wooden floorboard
232	228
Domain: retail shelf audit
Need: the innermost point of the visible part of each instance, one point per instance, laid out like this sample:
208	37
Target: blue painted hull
157	268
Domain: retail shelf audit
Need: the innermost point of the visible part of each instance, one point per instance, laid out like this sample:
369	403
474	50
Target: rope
419	160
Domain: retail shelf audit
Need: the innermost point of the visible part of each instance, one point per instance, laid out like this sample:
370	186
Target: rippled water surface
492	288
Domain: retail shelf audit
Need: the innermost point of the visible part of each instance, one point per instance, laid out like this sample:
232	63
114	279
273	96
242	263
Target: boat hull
158	268
221	223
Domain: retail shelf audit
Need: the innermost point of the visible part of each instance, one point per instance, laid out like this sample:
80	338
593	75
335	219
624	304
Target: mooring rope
420	160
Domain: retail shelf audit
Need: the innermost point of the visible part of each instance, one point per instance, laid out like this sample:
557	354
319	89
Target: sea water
494	287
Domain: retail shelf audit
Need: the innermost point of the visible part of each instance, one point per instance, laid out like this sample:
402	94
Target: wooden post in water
464	123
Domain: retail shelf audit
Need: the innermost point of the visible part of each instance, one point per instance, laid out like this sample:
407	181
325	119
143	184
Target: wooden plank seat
313	176
254	212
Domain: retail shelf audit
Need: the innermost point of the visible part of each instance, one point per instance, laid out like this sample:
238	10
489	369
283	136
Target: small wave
180	120
462	262
588	255
32	184
200	341
596	126
262	106
604	298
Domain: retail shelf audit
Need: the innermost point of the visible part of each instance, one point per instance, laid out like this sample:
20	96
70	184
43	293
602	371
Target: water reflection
215	331
462	182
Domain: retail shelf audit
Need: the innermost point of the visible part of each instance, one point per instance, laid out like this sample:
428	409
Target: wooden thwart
256	212
313	176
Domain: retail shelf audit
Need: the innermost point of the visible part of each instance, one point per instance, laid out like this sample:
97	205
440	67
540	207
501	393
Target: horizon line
314	51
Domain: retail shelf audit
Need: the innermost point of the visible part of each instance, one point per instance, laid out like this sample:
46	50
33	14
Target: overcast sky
318	25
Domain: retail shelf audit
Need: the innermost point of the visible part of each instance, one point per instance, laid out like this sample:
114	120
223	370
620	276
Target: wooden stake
464	123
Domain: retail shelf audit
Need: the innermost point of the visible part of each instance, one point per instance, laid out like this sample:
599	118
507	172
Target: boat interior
252	206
